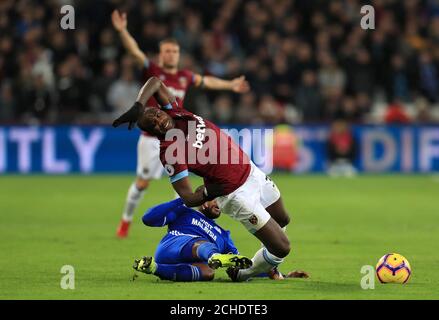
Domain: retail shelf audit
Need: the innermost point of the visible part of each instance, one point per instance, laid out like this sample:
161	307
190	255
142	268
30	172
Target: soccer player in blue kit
194	245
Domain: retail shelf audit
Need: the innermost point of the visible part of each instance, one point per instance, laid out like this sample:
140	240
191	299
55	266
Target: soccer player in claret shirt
241	190
178	82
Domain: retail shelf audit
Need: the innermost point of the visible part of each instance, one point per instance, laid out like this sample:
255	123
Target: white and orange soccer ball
393	268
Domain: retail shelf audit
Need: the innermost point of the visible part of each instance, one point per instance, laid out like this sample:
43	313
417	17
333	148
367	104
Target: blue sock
178	272
206	249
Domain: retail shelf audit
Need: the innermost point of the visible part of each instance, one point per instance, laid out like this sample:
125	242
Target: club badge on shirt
183	81
169	169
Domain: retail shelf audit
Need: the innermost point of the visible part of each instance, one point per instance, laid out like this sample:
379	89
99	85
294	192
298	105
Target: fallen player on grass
194	246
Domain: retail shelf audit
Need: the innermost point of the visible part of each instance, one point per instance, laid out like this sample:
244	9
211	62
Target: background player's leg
148	167
134	196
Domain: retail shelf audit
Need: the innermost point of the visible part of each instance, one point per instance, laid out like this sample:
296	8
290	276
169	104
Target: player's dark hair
168	40
146	120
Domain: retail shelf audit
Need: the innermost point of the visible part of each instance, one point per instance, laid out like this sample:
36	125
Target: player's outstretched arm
162	214
153	87
238	85
120	22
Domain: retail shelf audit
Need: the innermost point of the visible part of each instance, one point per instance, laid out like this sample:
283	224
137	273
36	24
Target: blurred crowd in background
306	61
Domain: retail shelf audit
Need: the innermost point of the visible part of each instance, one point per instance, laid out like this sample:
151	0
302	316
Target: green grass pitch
337	227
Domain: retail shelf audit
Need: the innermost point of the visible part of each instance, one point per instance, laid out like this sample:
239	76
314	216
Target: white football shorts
149	165
247	204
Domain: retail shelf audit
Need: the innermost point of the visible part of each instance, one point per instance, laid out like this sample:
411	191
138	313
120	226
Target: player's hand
119	20
202	192
129	117
298	274
213	192
240	85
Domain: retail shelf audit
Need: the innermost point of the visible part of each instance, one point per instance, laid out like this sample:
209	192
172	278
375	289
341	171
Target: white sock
133	198
263	261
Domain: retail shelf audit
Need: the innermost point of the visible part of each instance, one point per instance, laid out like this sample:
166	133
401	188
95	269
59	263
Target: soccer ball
393	268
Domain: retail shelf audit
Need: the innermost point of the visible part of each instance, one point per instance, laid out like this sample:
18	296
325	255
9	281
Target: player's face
155	121
210	209
169	55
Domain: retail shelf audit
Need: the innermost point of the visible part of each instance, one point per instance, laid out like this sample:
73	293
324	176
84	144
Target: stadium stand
307	61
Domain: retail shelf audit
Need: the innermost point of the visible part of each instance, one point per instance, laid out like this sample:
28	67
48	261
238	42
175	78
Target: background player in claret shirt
178	82
241	190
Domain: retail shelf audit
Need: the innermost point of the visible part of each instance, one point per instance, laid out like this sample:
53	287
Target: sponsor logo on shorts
253	220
